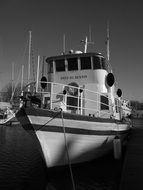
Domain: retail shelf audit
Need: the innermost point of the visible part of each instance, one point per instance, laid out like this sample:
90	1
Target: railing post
78	103
81	103
51	95
120	108
65	96
98	103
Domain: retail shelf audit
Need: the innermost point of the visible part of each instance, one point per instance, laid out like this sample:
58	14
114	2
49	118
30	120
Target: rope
66	146
48	121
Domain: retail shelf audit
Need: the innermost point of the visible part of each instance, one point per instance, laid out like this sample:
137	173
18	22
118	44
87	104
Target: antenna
86	42
64	43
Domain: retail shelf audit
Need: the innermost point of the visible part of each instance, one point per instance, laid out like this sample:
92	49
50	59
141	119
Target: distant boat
79	114
7	117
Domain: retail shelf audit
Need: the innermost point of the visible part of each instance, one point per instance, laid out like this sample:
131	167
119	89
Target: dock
132	173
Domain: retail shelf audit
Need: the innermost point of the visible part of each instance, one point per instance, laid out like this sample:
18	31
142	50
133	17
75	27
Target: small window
50	66
85	63
104	65
72	64
96	62
104	103
60	65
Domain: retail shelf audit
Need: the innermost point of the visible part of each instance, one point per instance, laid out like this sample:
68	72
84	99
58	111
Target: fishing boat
76	112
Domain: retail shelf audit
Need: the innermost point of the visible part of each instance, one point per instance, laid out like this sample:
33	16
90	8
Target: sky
49	20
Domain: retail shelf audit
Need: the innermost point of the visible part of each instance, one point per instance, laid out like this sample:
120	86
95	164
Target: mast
22	78
29	58
12	79
108	46
37	80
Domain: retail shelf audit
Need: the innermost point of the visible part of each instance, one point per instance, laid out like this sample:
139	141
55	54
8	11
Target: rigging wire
48	121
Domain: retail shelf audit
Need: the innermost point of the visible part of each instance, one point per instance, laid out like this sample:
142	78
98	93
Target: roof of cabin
73	55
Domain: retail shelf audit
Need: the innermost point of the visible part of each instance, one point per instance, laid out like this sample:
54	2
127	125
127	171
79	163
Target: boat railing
78	100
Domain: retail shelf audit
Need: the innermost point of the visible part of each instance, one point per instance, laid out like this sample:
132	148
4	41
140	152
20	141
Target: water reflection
22	167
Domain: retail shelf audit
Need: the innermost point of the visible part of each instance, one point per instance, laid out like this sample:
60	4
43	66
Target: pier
132	173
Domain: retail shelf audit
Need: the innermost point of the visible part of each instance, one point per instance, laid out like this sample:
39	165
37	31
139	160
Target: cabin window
96	62
60	65
85	63
99	63
104	65
50	66
72	64
104	103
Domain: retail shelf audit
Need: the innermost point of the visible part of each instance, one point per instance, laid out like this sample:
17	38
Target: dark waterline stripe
70	130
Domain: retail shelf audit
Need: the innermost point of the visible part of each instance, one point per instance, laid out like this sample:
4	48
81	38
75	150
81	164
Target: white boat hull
80	148
73	138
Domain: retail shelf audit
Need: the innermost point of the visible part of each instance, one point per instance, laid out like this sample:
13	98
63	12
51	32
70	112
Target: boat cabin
81	68
76	82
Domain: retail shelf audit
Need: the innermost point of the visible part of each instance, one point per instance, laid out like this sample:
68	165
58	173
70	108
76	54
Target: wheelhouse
76	62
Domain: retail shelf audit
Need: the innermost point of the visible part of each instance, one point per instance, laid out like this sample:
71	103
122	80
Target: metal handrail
96	103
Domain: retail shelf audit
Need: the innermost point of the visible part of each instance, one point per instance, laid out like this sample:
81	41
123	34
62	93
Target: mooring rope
48	121
66	146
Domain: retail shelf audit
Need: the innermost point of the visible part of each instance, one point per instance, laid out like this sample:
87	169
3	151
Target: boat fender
43	82
80	90
110	79
117	148
119	92
64	92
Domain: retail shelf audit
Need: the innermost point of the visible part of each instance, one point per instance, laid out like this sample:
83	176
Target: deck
132	174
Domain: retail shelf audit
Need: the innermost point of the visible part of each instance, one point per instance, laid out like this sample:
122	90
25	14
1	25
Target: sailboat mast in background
12	79
29	58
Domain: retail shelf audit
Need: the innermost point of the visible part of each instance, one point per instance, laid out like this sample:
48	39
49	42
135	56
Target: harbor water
23	168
